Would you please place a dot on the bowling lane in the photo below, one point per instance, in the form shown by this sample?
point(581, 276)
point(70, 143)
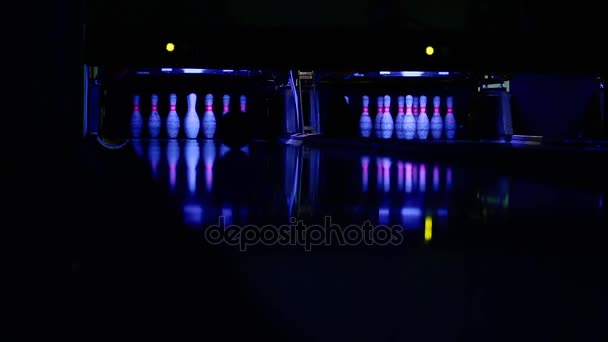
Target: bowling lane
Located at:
point(485, 253)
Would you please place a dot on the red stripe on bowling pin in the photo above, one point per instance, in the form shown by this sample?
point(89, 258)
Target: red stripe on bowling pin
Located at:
point(400, 110)
point(449, 109)
point(225, 108)
point(154, 108)
point(136, 108)
point(422, 109)
point(365, 109)
point(209, 108)
point(172, 108)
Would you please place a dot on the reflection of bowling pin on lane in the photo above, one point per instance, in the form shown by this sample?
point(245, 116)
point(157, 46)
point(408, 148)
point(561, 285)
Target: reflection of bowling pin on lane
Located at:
point(365, 122)
point(154, 155)
point(364, 172)
point(436, 121)
point(172, 119)
point(400, 117)
point(387, 123)
point(379, 173)
point(191, 121)
point(224, 150)
point(226, 104)
point(172, 159)
point(408, 177)
point(243, 102)
point(450, 120)
point(208, 160)
point(399, 175)
point(422, 178)
point(378, 119)
point(409, 121)
point(436, 183)
point(138, 146)
point(209, 123)
point(137, 122)
point(386, 176)
point(154, 119)
point(192, 155)
point(422, 124)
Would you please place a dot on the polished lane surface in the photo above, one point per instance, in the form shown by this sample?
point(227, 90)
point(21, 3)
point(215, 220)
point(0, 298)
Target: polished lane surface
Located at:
point(486, 254)
point(482, 250)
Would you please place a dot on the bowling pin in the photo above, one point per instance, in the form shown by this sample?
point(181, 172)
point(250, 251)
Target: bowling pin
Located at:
point(137, 122)
point(191, 121)
point(409, 121)
point(422, 124)
point(154, 118)
point(436, 121)
point(365, 122)
point(378, 119)
point(450, 120)
point(209, 124)
point(399, 118)
point(243, 101)
point(172, 119)
point(415, 105)
point(387, 123)
point(226, 104)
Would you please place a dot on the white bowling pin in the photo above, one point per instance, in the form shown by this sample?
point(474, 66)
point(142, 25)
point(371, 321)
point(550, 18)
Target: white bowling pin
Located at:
point(436, 121)
point(399, 118)
point(387, 124)
point(365, 122)
point(191, 122)
point(209, 124)
point(154, 118)
point(409, 121)
point(172, 119)
point(226, 104)
point(137, 122)
point(422, 124)
point(378, 119)
point(243, 101)
point(450, 120)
